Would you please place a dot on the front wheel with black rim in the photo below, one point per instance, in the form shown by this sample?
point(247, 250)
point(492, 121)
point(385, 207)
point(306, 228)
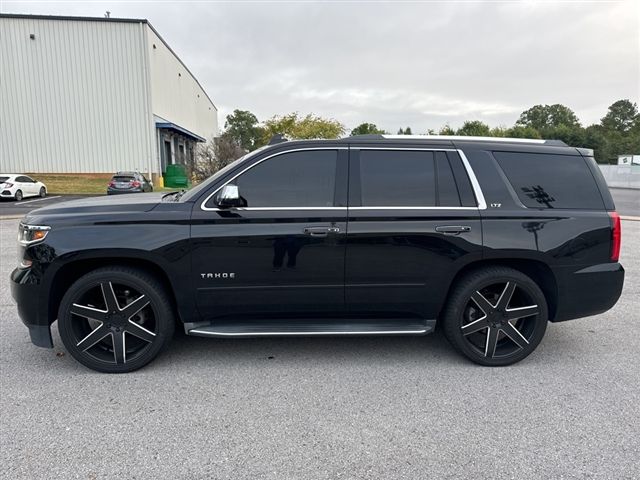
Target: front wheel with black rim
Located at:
point(115, 319)
point(43, 192)
point(496, 316)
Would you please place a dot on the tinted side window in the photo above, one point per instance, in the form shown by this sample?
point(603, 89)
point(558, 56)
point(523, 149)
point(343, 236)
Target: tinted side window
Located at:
point(448, 195)
point(397, 178)
point(22, 179)
point(551, 181)
point(296, 179)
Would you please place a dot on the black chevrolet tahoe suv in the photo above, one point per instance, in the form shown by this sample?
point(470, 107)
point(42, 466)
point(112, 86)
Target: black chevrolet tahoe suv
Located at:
point(370, 235)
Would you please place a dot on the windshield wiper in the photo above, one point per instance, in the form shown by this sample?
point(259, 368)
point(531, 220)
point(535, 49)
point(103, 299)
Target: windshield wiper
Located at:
point(176, 195)
point(169, 194)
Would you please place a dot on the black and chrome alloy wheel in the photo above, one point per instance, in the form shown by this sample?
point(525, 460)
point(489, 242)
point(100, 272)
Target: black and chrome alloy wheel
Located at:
point(496, 316)
point(115, 320)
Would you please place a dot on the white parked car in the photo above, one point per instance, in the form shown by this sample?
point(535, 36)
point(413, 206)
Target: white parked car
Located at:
point(20, 186)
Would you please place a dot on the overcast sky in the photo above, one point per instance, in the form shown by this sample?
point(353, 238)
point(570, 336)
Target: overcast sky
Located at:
point(403, 63)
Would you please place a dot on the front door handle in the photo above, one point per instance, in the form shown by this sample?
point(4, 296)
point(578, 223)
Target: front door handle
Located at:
point(320, 231)
point(453, 229)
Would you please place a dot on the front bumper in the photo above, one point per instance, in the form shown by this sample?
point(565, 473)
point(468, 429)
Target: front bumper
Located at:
point(27, 295)
point(588, 291)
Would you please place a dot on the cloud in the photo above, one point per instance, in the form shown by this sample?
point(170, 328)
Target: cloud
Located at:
point(397, 63)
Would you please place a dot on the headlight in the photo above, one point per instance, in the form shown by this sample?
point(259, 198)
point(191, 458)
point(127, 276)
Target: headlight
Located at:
point(29, 234)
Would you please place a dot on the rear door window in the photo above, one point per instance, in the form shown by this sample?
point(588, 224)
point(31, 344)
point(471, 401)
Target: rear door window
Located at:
point(396, 178)
point(550, 181)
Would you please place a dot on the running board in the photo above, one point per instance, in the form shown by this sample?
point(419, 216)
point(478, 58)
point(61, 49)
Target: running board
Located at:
point(302, 328)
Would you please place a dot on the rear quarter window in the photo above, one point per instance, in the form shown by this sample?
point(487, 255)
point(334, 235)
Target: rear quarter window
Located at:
point(551, 181)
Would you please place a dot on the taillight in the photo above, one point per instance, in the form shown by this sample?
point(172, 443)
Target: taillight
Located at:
point(7, 185)
point(112, 183)
point(616, 236)
point(135, 183)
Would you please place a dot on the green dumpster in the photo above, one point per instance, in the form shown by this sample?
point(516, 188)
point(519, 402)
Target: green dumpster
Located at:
point(176, 177)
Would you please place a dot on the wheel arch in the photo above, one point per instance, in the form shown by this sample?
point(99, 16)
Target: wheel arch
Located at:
point(71, 271)
point(538, 271)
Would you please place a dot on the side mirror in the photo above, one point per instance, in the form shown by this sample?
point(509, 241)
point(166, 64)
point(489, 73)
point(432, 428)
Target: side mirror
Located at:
point(229, 196)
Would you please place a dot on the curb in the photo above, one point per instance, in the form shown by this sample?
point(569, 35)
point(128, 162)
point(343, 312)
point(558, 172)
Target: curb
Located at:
point(627, 217)
point(16, 217)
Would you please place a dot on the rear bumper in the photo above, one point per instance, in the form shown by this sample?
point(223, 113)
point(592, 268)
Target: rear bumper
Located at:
point(26, 293)
point(111, 191)
point(588, 291)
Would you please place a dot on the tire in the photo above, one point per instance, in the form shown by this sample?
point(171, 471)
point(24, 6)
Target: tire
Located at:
point(115, 319)
point(43, 192)
point(18, 196)
point(495, 316)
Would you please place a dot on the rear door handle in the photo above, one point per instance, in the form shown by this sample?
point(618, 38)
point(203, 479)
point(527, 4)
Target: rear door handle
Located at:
point(453, 229)
point(320, 231)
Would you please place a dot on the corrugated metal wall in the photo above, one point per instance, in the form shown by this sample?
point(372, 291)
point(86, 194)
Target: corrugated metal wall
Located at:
point(175, 94)
point(75, 98)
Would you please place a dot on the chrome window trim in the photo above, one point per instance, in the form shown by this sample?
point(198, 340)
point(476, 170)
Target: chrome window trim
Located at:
point(475, 185)
point(482, 204)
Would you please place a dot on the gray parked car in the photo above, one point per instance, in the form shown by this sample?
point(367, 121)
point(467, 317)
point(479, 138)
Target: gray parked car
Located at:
point(129, 182)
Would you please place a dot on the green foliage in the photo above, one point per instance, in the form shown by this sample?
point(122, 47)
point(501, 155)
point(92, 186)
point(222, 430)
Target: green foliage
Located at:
point(447, 130)
point(406, 131)
point(518, 131)
point(367, 129)
point(474, 128)
point(621, 116)
point(243, 128)
point(545, 117)
point(309, 127)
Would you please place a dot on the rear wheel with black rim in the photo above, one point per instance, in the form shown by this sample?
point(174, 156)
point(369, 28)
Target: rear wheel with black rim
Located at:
point(115, 319)
point(496, 316)
point(18, 195)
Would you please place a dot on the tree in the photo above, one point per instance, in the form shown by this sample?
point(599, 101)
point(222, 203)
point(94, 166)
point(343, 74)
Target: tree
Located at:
point(366, 129)
point(519, 131)
point(242, 126)
point(212, 156)
point(406, 131)
point(474, 128)
point(447, 130)
point(308, 127)
point(621, 116)
point(545, 117)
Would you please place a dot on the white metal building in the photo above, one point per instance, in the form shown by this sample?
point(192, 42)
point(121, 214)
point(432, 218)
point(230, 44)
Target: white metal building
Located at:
point(95, 95)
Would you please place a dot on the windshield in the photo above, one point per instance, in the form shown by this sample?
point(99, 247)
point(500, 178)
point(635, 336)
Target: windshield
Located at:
point(195, 191)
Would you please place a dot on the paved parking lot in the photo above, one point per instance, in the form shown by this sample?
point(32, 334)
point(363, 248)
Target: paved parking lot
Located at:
point(375, 408)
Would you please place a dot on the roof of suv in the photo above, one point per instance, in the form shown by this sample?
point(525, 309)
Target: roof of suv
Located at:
point(440, 141)
point(450, 138)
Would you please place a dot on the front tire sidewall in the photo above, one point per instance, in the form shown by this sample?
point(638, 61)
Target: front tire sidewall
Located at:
point(43, 192)
point(454, 316)
point(143, 283)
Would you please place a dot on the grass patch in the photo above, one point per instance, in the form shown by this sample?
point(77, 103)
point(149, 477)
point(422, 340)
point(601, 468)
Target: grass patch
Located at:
point(77, 183)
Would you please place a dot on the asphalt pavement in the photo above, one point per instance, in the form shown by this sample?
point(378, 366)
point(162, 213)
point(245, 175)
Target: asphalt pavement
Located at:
point(328, 408)
point(627, 201)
